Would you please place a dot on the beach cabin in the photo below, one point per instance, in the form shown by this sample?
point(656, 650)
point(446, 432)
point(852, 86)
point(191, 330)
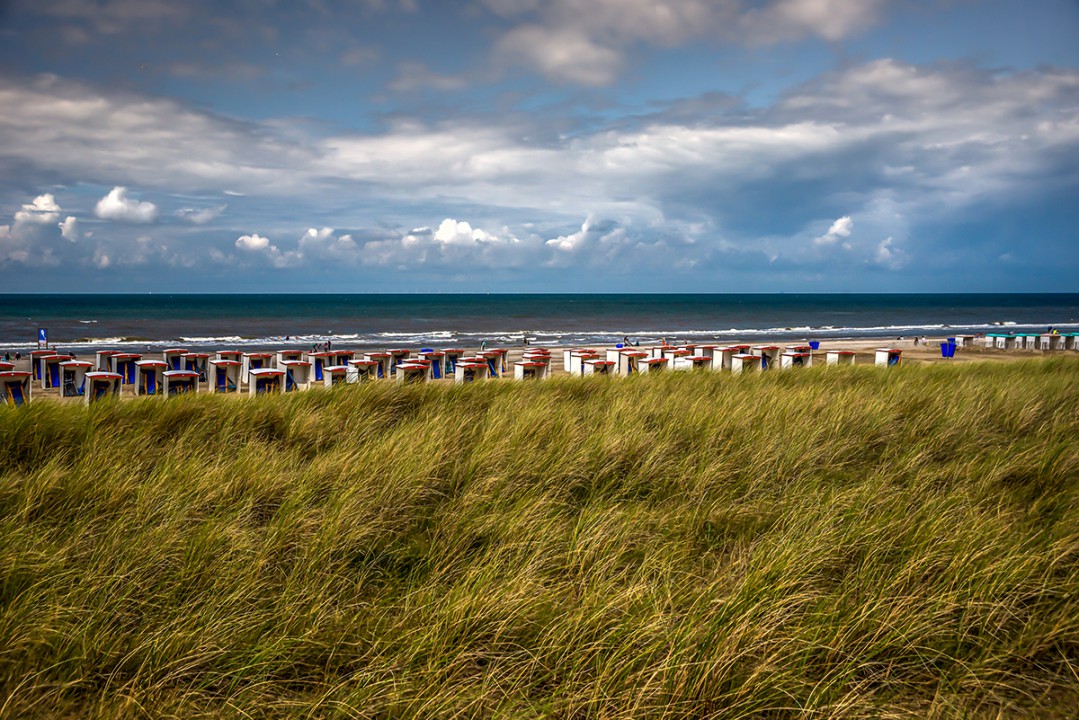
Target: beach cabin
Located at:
point(362, 370)
point(265, 381)
point(964, 341)
point(744, 362)
point(255, 361)
point(887, 356)
point(35, 361)
point(124, 365)
point(1051, 341)
point(504, 355)
point(236, 355)
point(397, 356)
point(530, 370)
point(101, 385)
point(1005, 342)
point(573, 360)
point(174, 357)
point(318, 360)
point(199, 363)
point(437, 360)
point(625, 359)
point(795, 360)
point(50, 369)
point(652, 364)
point(73, 377)
point(799, 348)
point(179, 382)
point(466, 372)
point(452, 355)
point(411, 372)
point(334, 375)
point(540, 355)
point(769, 355)
point(1069, 341)
point(721, 357)
point(673, 353)
point(224, 375)
point(493, 358)
point(340, 358)
point(283, 356)
point(298, 374)
point(15, 386)
point(150, 377)
point(103, 360)
point(707, 350)
point(385, 363)
point(840, 357)
point(692, 362)
point(598, 366)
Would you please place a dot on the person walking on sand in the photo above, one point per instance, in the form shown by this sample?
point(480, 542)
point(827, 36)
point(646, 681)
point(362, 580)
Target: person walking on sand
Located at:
point(483, 346)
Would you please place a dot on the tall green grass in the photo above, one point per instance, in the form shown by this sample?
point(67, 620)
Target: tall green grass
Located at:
point(836, 542)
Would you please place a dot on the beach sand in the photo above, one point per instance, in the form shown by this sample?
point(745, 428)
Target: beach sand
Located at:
point(928, 352)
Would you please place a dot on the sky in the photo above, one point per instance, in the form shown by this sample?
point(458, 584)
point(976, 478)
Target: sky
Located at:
point(539, 146)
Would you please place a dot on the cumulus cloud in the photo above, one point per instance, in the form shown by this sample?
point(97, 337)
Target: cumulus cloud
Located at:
point(200, 216)
point(69, 228)
point(118, 206)
point(258, 246)
point(42, 211)
point(841, 228)
point(254, 243)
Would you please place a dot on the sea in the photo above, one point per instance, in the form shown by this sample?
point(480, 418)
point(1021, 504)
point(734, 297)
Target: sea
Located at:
point(366, 321)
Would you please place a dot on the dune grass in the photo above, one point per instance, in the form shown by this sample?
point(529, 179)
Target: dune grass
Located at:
point(836, 542)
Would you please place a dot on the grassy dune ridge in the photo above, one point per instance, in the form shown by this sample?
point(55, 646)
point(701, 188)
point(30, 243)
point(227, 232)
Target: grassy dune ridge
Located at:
point(836, 542)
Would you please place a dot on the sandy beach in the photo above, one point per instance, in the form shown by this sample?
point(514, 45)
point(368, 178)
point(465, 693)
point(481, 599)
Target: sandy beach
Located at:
point(924, 352)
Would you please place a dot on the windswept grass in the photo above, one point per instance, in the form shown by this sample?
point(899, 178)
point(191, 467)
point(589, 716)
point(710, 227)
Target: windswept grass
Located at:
point(839, 542)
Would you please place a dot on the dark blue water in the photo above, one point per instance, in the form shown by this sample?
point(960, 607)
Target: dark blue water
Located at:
point(365, 321)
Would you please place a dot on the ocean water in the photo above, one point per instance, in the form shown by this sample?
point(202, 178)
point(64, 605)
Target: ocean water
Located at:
point(381, 321)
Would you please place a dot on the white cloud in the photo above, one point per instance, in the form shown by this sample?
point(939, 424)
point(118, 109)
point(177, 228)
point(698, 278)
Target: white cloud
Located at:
point(563, 54)
point(69, 228)
point(258, 246)
point(451, 231)
point(254, 243)
point(117, 206)
point(889, 255)
point(586, 41)
point(841, 228)
point(42, 211)
point(200, 216)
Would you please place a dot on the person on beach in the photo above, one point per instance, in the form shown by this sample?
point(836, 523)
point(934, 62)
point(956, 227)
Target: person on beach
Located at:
point(483, 346)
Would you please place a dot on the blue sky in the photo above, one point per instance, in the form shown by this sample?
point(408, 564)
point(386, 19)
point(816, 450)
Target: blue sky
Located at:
point(528, 145)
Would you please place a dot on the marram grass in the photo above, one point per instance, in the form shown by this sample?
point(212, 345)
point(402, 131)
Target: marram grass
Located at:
point(829, 543)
